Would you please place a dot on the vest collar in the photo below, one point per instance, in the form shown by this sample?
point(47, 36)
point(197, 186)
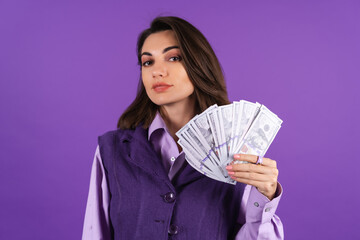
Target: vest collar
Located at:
point(143, 155)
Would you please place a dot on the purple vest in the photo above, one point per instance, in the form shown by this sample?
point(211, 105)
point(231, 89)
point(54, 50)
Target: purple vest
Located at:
point(145, 204)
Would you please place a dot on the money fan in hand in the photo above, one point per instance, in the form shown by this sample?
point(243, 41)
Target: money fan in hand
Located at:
point(210, 139)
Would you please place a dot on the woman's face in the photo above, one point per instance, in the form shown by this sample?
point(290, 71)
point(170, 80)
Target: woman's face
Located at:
point(163, 73)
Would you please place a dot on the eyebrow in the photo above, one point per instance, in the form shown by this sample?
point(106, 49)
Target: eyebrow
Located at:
point(164, 51)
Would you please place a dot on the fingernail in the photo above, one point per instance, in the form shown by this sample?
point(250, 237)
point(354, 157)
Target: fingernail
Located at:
point(236, 155)
point(229, 167)
point(231, 173)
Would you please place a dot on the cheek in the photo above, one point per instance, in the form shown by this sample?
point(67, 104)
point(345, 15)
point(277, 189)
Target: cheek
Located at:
point(186, 81)
point(189, 86)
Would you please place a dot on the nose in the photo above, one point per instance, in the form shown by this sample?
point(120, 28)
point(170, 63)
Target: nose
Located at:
point(159, 70)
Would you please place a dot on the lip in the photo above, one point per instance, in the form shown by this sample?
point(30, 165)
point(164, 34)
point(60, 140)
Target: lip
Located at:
point(161, 87)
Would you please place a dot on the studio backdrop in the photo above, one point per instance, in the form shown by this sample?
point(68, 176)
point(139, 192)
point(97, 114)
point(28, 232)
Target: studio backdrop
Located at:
point(68, 69)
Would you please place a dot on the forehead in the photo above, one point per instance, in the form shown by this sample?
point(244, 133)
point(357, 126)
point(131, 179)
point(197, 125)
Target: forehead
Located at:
point(159, 41)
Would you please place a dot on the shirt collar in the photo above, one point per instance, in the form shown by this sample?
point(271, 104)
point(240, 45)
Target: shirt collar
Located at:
point(157, 123)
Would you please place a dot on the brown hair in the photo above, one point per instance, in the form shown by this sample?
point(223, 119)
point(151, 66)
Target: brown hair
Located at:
point(201, 65)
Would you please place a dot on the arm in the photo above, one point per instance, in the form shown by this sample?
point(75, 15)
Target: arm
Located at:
point(260, 219)
point(97, 223)
point(261, 198)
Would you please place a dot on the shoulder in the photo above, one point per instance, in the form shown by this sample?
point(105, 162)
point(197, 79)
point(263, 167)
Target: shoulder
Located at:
point(121, 135)
point(114, 136)
point(112, 133)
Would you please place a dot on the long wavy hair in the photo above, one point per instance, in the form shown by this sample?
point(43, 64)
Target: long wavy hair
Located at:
point(201, 65)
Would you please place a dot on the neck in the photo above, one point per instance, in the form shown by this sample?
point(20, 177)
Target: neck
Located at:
point(178, 114)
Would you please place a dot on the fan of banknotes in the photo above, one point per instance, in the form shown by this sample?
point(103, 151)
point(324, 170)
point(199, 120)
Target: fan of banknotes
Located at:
point(210, 139)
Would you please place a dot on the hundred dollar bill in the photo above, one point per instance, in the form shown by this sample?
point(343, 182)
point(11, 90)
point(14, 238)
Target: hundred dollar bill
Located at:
point(213, 122)
point(202, 127)
point(247, 112)
point(227, 116)
point(261, 134)
point(235, 115)
point(221, 130)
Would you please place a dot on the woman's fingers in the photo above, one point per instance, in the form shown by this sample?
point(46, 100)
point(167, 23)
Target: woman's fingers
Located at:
point(262, 176)
point(246, 157)
point(251, 168)
point(254, 183)
point(262, 186)
point(253, 159)
point(252, 176)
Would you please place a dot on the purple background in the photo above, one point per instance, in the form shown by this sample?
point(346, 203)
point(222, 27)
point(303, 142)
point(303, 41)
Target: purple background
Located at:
point(68, 70)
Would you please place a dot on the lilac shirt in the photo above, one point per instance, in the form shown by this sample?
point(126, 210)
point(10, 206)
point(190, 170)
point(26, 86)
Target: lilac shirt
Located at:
point(257, 211)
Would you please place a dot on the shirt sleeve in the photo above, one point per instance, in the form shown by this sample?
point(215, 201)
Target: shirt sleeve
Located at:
point(96, 222)
point(260, 220)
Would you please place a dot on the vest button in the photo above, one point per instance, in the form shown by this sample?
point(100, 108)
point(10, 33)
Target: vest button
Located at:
point(173, 230)
point(169, 197)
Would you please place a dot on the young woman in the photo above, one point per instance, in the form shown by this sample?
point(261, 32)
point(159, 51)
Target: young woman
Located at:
point(141, 187)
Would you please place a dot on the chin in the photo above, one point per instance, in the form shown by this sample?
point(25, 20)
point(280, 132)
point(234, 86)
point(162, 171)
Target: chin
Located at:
point(168, 99)
point(161, 103)
point(160, 100)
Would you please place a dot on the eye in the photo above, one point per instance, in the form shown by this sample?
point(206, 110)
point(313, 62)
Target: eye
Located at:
point(175, 58)
point(146, 63)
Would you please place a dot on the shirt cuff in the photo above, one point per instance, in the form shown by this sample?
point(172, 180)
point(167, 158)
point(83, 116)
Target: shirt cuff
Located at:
point(259, 208)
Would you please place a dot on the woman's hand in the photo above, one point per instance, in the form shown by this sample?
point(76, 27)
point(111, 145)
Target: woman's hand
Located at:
point(262, 176)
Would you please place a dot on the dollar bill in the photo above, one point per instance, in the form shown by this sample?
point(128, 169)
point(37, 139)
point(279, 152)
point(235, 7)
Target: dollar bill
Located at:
point(227, 117)
point(261, 134)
